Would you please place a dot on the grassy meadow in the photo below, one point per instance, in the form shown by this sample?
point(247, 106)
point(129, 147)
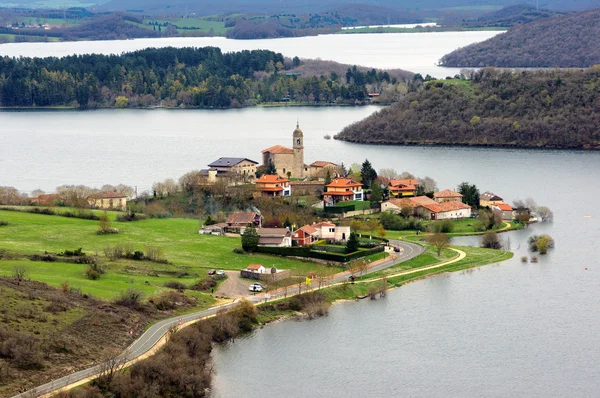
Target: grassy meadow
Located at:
point(190, 254)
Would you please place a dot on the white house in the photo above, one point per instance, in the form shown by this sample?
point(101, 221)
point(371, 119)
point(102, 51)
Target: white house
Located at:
point(330, 231)
point(446, 211)
point(257, 268)
point(274, 237)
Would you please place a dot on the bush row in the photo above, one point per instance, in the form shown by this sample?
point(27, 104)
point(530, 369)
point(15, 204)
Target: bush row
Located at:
point(83, 214)
point(308, 253)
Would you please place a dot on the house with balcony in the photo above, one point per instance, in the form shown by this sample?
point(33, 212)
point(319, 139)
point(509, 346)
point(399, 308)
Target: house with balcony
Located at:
point(273, 185)
point(238, 221)
point(403, 188)
point(342, 190)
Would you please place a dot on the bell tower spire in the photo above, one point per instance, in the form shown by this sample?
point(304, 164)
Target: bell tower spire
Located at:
point(298, 166)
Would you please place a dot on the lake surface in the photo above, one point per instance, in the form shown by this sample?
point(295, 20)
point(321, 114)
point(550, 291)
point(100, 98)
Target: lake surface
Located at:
point(507, 330)
point(416, 52)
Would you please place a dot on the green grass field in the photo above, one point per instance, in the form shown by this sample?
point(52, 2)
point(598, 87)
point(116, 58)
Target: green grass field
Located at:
point(188, 251)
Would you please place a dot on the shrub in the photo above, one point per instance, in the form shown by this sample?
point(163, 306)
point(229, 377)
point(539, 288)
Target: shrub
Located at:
point(541, 243)
point(83, 214)
point(131, 217)
point(3, 223)
point(154, 254)
point(238, 250)
point(94, 271)
point(175, 285)
point(73, 253)
point(204, 284)
point(444, 226)
point(45, 257)
point(490, 240)
point(137, 255)
point(524, 259)
point(170, 300)
point(113, 252)
point(131, 298)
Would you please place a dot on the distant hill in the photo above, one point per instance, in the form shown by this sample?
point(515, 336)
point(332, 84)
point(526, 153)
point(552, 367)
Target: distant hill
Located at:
point(570, 41)
point(512, 15)
point(209, 7)
point(536, 109)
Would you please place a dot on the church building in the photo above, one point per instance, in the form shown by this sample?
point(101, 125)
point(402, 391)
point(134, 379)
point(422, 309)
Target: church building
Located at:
point(289, 162)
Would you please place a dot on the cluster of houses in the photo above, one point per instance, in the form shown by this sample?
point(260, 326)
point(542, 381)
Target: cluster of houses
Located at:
point(445, 205)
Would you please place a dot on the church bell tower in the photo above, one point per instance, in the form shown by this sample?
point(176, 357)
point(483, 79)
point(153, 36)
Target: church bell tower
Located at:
point(298, 166)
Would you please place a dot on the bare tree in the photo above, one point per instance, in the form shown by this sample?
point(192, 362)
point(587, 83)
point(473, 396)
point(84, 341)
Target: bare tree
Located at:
point(490, 240)
point(545, 213)
point(439, 240)
point(406, 175)
point(388, 173)
point(114, 362)
point(9, 196)
point(36, 193)
point(428, 184)
point(384, 287)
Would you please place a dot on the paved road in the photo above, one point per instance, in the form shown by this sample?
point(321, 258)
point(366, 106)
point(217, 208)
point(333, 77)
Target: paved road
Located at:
point(153, 335)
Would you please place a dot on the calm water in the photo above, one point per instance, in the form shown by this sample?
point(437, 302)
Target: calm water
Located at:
point(416, 52)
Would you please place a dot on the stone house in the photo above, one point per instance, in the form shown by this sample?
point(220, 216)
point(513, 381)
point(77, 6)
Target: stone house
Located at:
point(108, 200)
point(447, 195)
point(416, 204)
point(489, 199)
point(505, 210)
point(239, 220)
point(242, 166)
point(319, 169)
point(273, 185)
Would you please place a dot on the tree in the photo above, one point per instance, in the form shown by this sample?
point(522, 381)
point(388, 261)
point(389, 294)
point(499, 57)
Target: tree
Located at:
point(104, 224)
point(390, 174)
point(490, 240)
point(121, 102)
point(470, 194)
point(353, 243)
point(328, 177)
point(19, 272)
point(439, 240)
point(36, 193)
point(427, 184)
point(271, 169)
point(250, 239)
point(545, 213)
point(376, 193)
point(367, 174)
point(541, 243)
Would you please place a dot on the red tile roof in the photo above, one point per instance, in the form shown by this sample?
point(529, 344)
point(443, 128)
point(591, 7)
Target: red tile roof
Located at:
point(324, 224)
point(322, 163)
point(254, 267)
point(422, 200)
point(409, 181)
point(271, 178)
point(343, 182)
point(241, 217)
point(447, 193)
point(278, 149)
point(446, 206)
point(504, 206)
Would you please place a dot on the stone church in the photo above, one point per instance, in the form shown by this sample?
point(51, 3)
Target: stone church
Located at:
point(288, 160)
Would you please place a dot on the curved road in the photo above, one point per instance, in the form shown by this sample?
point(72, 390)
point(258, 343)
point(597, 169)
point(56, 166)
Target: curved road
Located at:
point(155, 333)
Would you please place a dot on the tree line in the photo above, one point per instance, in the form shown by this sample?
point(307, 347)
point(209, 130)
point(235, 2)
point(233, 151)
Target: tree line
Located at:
point(191, 77)
point(542, 109)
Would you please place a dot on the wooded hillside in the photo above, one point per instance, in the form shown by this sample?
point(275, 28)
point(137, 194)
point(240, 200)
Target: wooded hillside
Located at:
point(540, 109)
point(570, 41)
point(511, 16)
point(188, 77)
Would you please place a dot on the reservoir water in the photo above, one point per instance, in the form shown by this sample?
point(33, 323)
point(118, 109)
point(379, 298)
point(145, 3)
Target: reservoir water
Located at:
point(416, 52)
point(502, 330)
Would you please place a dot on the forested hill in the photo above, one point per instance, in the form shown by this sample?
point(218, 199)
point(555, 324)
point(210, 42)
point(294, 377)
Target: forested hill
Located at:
point(539, 109)
point(188, 77)
point(569, 41)
point(511, 16)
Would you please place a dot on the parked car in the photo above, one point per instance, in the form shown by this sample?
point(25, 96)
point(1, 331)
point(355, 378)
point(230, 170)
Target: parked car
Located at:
point(256, 287)
point(221, 272)
point(212, 272)
point(396, 249)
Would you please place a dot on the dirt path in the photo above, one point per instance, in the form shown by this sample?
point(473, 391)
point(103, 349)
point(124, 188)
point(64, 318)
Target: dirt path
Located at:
point(234, 286)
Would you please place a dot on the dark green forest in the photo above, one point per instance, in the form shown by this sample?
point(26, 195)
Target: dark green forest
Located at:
point(569, 41)
point(539, 109)
point(189, 77)
point(511, 16)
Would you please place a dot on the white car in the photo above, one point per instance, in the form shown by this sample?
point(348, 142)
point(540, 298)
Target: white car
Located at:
point(256, 287)
point(220, 272)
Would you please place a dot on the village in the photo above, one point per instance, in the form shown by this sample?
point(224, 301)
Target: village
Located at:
point(350, 211)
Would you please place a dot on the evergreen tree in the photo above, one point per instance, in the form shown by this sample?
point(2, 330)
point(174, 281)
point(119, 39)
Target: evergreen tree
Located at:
point(287, 223)
point(470, 194)
point(250, 239)
point(352, 243)
point(328, 177)
point(367, 173)
point(271, 169)
point(376, 193)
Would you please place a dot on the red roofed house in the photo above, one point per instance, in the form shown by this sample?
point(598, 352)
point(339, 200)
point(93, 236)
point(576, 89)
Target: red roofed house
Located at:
point(239, 220)
point(341, 190)
point(447, 195)
point(108, 200)
point(320, 167)
point(329, 231)
point(273, 185)
point(505, 210)
point(446, 210)
point(51, 199)
point(305, 236)
point(257, 268)
point(403, 188)
point(395, 205)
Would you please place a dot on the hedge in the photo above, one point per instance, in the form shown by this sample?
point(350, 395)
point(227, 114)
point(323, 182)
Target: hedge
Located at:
point(305, 251)
point(339, 209)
